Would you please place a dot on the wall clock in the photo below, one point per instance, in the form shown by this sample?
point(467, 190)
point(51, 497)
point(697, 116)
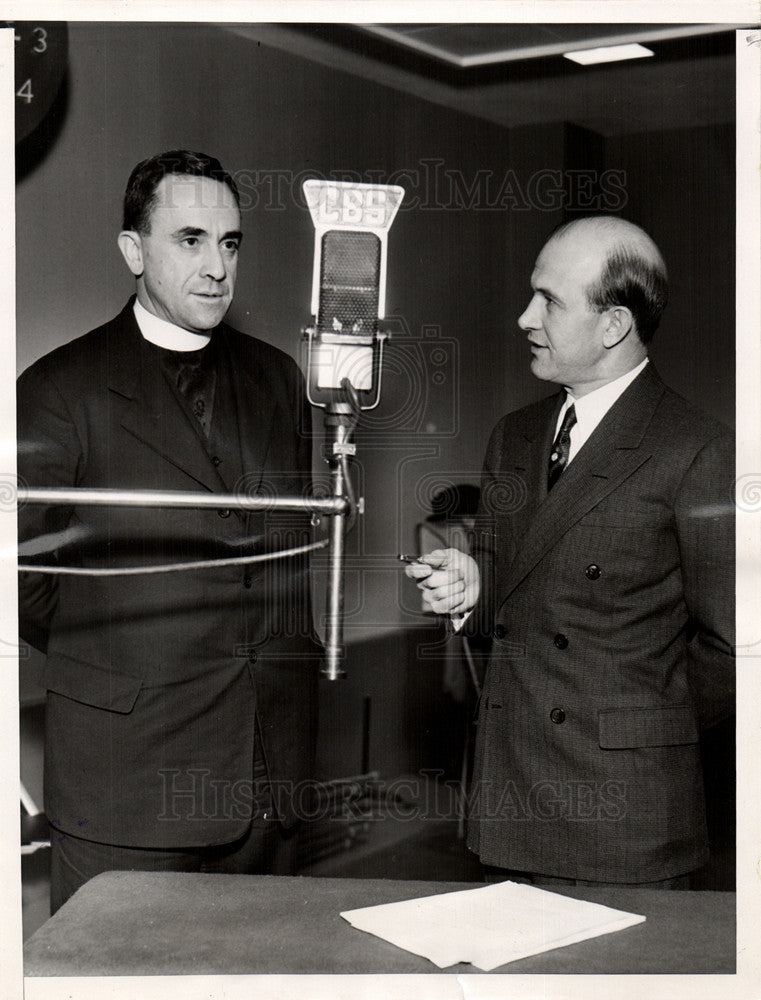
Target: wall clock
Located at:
point(40, 49)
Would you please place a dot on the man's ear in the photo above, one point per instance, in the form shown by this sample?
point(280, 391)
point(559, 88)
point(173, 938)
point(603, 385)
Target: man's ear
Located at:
point(618, 324)
point(131, 247)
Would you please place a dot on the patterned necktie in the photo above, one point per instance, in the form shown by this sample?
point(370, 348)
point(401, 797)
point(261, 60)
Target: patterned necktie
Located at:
point(561, 448)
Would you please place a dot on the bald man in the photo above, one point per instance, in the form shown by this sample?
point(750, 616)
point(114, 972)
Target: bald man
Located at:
point(602, 566)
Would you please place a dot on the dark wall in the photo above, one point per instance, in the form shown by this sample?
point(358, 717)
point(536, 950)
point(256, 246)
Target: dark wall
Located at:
point(480, 201)
point(681, 188)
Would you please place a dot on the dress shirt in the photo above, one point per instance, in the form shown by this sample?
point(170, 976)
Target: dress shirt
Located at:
point(591, 408)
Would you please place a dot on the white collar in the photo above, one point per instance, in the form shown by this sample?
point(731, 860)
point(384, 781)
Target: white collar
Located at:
point(167, 335)
point(599, 401)
point(592, 407)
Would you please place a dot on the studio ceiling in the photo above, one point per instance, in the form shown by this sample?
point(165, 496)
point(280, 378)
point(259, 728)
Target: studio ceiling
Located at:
point(515, 74)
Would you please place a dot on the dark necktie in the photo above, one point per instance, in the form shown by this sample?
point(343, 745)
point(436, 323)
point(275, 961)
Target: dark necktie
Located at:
point(561, 449)
point(195, 381)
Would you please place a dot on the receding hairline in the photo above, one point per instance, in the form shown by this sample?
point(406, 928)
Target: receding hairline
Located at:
point(616, 235)
point(147, 179)
point(168, 180)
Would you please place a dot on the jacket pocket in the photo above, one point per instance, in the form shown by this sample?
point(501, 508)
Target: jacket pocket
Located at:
point(90, 683)
point(626, 728)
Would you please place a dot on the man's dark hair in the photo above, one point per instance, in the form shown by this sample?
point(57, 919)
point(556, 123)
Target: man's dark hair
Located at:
point(630, 279)
point(140, 196)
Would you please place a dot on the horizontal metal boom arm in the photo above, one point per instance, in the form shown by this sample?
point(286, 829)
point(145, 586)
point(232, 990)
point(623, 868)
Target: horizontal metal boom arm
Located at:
point(179, 498)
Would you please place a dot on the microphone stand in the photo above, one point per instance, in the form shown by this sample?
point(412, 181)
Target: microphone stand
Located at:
point(340, 421)
point(341, 418)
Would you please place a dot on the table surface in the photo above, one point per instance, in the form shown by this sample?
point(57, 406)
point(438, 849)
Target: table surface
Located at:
point(141, 923)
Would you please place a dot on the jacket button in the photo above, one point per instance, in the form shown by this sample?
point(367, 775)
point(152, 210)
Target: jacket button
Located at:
point(252, 657)
point(224, 513)
point(593, 572)
point(217, 460)
point(561, 641)
point(248, 581)
point(557, 715)
point(500, 632)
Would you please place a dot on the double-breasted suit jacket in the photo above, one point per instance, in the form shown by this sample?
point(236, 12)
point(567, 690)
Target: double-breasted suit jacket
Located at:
point(155, 681)
point(610, 601)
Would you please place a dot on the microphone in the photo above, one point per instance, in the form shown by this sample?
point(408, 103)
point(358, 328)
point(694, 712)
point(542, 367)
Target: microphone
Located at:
point(345, 348)
point(351, 223)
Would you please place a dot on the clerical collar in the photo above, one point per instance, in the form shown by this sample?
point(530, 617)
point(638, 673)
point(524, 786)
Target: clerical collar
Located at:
point(167, 335)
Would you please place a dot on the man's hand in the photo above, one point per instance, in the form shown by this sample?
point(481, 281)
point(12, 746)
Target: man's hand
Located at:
point(448, 580)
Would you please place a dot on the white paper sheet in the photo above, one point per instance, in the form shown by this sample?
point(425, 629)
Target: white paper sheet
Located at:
point(490, 926)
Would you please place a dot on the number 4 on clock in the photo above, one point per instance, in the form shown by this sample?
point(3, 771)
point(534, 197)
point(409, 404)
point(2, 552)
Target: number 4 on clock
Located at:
point(25, 91)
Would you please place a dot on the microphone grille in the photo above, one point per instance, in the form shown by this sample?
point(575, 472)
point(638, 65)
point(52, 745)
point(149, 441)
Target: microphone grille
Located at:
point(349, 282)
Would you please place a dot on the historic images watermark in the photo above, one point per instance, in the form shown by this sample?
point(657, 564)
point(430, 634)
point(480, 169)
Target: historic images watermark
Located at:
point(193, 794)
point(431, 186)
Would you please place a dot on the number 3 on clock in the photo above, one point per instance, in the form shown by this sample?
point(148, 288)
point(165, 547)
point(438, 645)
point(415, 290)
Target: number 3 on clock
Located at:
point(41, 52)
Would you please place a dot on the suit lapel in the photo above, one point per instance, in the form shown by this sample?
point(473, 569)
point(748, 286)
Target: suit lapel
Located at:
point(614, 452)
point(154, 415)
point(526, 461)
point(254, 410)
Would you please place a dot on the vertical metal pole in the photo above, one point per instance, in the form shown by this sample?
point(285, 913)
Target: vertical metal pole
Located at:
point(334, 649)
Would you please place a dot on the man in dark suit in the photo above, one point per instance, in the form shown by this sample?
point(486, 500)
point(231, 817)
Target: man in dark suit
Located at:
point(180, 718)
point(606, 582)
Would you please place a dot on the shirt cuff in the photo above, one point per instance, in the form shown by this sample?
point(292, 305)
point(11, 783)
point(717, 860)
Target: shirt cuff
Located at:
point(458, 620)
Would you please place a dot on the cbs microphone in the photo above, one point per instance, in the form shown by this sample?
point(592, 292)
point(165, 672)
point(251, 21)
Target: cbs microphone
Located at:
point(345, 347)
point(348, 288)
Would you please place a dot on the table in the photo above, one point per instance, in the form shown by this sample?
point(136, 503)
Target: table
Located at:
point(148, 923)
